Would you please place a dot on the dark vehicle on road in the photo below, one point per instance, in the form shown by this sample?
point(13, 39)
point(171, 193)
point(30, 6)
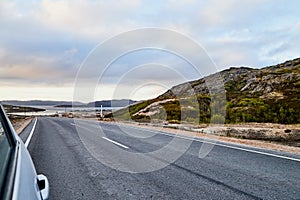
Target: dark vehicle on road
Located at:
point(18, 177)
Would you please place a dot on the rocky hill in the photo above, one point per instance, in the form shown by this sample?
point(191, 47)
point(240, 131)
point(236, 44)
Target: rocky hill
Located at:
point(270, 94)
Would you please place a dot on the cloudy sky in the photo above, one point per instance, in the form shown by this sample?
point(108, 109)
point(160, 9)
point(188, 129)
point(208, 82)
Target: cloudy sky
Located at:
point(45, 44)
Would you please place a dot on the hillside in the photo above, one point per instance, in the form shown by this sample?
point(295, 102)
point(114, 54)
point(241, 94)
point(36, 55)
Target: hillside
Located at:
point(269, 95)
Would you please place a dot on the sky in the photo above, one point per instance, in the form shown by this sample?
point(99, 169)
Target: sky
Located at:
point(45, 46)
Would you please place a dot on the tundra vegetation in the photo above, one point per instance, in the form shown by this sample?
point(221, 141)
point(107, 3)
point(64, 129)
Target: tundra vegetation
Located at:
point(267, 95)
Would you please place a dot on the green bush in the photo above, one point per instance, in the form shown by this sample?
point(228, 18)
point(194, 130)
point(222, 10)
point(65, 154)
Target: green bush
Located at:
point(217, 119)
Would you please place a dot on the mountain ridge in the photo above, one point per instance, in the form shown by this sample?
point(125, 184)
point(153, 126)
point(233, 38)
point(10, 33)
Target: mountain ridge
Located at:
point(270, 94)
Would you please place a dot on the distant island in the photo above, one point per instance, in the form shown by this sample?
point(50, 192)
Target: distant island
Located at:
point(104, 103)
point(21, 109)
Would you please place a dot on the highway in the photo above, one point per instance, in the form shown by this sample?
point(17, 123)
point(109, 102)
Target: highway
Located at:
point(81, 162)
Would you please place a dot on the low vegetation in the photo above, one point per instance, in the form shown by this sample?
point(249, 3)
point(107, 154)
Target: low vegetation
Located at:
point(267, 95)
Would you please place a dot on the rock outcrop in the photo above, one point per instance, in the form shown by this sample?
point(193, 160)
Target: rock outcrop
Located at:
point(270, 94)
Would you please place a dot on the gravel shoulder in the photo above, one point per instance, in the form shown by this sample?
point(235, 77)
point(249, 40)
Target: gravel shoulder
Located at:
point(200, 132)
point(20, 123)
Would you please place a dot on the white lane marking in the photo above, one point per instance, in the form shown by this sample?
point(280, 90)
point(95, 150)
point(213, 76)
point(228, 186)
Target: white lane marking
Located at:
point(227, 146)
point(112, 141)
point(116, 143)
point(259, 152)
point(216, 143)
point(234, 147)
point(31, 133)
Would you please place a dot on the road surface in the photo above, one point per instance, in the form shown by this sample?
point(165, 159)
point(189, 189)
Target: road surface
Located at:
point(227, 172)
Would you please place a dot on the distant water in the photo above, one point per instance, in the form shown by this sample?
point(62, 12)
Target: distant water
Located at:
point(51, 110)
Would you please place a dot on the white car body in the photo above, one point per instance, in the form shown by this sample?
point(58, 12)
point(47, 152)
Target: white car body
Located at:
point(19, 178)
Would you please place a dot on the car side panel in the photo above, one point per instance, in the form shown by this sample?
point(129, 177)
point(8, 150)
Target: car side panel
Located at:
point(25, 186)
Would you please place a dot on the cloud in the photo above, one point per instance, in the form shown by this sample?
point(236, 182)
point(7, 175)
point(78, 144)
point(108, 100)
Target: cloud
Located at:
point(30, 69)
point(90, 19)
point(279, 45)
point(44, 42)
point(220, 13)
point(39, 92)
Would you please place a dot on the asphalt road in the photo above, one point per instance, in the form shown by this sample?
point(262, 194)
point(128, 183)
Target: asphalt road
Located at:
point(72, 162)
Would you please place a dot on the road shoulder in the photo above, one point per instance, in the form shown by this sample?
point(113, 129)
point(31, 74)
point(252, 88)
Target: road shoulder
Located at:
point(268, 145)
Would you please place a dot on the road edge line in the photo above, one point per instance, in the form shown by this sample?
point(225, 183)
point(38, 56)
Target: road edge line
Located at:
point(31, 133)
point(228, 145)
point(225, 144)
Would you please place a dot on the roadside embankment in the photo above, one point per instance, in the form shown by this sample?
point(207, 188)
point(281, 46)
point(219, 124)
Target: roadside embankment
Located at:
point(19, 122)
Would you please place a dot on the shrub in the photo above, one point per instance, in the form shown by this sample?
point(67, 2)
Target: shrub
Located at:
point(217, 119)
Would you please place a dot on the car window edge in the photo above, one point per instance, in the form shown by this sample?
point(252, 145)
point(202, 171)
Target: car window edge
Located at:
point(11, 172)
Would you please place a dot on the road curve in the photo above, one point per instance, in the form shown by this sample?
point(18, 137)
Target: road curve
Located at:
point(226, 173)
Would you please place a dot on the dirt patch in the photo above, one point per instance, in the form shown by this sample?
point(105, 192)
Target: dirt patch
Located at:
point(19, 122)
